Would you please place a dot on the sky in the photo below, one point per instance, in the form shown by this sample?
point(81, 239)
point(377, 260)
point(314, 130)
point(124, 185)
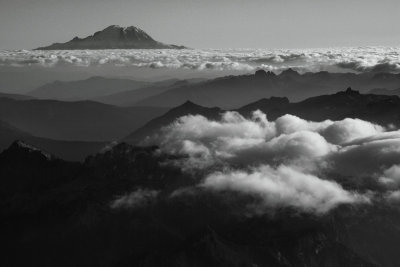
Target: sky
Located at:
point(26, 24)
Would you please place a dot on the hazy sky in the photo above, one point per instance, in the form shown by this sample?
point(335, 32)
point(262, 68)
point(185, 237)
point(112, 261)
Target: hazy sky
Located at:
point(206, 23)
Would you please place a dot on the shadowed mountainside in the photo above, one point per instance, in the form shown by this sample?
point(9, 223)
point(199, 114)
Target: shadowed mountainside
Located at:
point(100, 88)
point(67, 150)
point(83, 120)
point(381, 109)
point(58, 213)
point(113, 37)
point(234, 91)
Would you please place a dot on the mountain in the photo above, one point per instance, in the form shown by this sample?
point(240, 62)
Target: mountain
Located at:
point(67, 150)
point(113, 37)
point(384, 91)
point(380, 109)
point(85, 89)
point(101, 89)
point(235, 91)
point(185, 109)
point(71, 121)
point(16, 96)
point(350, 103)
point(132, 97)
point(58, 213)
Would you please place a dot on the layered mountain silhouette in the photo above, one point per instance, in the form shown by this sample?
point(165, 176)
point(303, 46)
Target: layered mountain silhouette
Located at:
point(72, 121)
point(113, 37)
point(16, 96)
point(381, 109)
point(133, 97)
point(85, 89)
point(384, 91)
point(119, 91)
point(234, 91)
point(67, 150)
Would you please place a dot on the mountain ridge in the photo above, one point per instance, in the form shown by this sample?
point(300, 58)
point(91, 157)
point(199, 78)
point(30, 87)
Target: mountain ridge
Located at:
point(113, 37)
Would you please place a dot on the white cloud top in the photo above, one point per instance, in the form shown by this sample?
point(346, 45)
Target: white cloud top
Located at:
point(358, 59)
point(289, 162)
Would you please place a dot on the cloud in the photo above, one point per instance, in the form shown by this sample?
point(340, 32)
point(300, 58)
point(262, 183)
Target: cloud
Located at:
point(391, 176)
point(366, 159)
point(136, 199)
point(393, 196)
point(289, 162)
point(357, 59)
point(235, 139)
point(283, 187)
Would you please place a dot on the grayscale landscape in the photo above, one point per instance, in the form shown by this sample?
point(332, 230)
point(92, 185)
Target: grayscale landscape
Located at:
point(212, 133)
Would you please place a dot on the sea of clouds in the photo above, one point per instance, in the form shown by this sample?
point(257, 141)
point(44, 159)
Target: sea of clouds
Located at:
point(356, 59)
point(286, 163)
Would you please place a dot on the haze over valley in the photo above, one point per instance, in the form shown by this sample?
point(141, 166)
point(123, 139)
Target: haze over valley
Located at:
point(136, 145)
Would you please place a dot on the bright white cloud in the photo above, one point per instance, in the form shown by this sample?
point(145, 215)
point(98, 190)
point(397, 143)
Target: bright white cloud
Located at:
point(283, 187)
point(281, 161)
point(242, 60)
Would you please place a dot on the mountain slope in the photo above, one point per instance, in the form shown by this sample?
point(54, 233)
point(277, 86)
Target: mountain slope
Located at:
point(235, 91)
point(85, 89)
point(71, 121)
point(56, 213)
point(381, 109)
point(67, 150)
point(16, 96)
point(185, 109)
point(113, 37)
point(383, 91)
point(132, 97)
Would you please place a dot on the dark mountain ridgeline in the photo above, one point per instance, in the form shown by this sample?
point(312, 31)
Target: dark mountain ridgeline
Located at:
point(231, 92)
point(71, 121)
point(106, 90)
point(381, 109)
point(383, 91)
point(113, 37)
point(58, 213)
point(132, 97)
point(67, 150)
point(85, 89)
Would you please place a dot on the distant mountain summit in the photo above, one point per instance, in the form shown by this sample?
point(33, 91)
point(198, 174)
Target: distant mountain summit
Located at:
point(113, 37)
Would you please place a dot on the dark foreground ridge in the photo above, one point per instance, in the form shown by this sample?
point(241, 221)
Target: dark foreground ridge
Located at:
point(113, 37)
point(57, 213)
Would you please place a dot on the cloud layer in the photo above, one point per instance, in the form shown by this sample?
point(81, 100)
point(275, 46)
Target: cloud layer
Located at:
point(289, 162)
point(358, 59)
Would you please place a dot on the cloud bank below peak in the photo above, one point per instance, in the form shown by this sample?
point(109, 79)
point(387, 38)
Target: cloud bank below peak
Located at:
point(356, 59)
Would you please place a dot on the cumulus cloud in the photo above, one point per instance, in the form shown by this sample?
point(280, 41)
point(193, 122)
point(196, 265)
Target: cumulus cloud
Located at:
point(289, 139)
point(391, 176)
point(283, 187)
point(358, 59)
point(289, 162)
point(393, 196)
point(136, 199)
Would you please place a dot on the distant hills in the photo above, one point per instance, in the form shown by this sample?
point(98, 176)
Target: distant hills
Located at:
point(118, 91)
point(229, 92)
point(381, 109)
point(235, 91)
point(384, 91)
point(85, 89)
point(67, 150)
point(82, 120)
point(113, 37)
